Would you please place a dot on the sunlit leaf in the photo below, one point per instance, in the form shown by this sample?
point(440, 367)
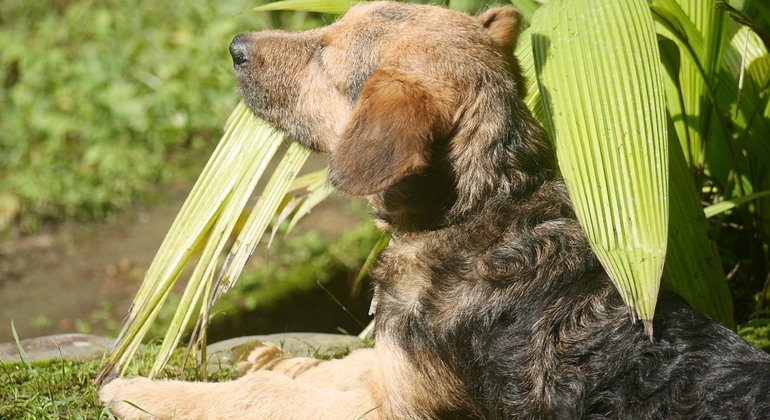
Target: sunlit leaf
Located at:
point(244, 173)
point(334, 7)
point(725, 205)
point(693, 268)
point(260, 216)
point(702, 26)
point(205, 222)
point(602, 91)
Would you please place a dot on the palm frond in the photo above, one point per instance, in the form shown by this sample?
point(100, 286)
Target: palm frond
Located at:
point(602, 93)
point(334, 7)
point(206, 221)
point(725, 205)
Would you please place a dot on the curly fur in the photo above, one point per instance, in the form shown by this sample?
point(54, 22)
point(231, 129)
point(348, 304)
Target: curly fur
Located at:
point(490, 302)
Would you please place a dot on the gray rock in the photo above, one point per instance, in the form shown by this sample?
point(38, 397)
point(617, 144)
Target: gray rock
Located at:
point(79, 347)
point(228, 353)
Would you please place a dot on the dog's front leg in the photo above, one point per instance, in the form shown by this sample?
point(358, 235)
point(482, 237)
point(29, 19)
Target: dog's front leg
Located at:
point(258, 395)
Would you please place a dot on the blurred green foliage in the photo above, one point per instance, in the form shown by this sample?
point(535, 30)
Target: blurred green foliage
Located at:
point(757, 330)
point(102, 99)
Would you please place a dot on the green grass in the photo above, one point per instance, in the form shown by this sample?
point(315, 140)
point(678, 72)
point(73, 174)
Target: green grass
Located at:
point(63, 389)
point(757, 330)
point(59, 389)
point(55, 389)
point(102, 100)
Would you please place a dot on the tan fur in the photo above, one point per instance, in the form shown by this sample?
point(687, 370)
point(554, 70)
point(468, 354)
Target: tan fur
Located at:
point(407, 391)
point(282, 388)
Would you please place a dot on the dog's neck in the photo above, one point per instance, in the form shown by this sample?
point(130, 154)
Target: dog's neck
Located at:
point(501, 154)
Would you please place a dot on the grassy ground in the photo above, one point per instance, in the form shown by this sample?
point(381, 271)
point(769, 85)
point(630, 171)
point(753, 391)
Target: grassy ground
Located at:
point(57, 389)
point(62, 389)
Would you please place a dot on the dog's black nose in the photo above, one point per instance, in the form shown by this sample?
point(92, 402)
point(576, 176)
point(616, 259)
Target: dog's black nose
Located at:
point(239, 50)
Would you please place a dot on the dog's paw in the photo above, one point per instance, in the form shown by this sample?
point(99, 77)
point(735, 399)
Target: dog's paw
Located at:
point(127, 398)
point(263, 356)
point(270, 357)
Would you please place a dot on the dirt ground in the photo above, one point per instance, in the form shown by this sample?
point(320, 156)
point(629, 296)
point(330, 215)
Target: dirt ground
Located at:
point(76, 275)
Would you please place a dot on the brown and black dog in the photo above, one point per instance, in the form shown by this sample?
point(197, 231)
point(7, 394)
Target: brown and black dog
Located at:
point(490, 303)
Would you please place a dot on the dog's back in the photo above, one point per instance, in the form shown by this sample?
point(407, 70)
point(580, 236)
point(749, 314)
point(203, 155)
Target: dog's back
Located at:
point(513, 311)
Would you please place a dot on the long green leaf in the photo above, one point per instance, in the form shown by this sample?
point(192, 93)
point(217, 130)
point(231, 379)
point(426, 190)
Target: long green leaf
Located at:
point(692, 265)
point(693, 268)
point(738, 156)
point(747, 49)
point(244, 173)
point(599, 73)
point(22, 353)
point(723, 206)
point(204, 220)
point(334, 7)
point(702, 24)
point(260, 216)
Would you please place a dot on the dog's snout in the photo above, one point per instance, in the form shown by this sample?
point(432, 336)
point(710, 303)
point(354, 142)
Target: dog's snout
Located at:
point(239, 50)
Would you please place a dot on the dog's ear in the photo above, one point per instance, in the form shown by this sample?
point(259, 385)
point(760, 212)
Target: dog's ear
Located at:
point(502, 24)
point(389, 136)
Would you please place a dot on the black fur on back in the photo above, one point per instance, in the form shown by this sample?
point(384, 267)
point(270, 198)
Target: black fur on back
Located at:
point(517, 306)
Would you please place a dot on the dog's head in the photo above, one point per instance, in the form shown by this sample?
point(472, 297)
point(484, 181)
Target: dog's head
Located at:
point(386, 87)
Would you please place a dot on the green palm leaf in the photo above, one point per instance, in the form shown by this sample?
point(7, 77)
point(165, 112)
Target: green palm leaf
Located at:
point(693, 267)
point(334, 7)
point(206, 221)
point(599, 73)
point(723, 206)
